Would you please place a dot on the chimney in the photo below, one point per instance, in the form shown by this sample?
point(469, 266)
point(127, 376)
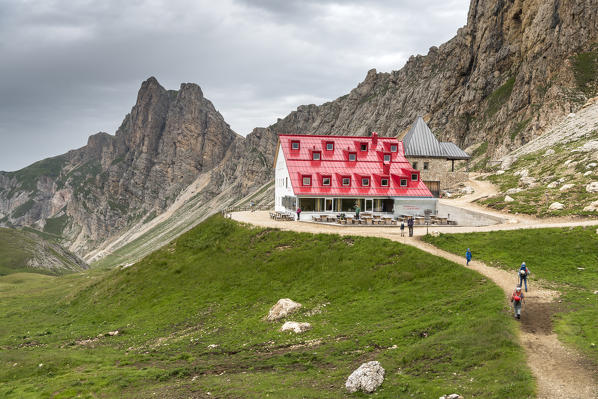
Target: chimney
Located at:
point(374, 138)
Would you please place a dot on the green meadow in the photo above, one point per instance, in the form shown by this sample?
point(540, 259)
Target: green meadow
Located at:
point(190, 319)
point(565, 259)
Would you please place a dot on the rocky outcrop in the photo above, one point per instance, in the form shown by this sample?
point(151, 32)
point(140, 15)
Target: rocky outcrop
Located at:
point(367, 378)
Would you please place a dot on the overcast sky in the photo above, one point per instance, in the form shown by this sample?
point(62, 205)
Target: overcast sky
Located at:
point(71, 68)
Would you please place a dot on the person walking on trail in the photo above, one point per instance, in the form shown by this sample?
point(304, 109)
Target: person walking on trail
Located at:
point(523, 273)
point(517, 300)
point(402, 228)
point(298, 213)
point(357, 210)
point(468, 256)
point(410, 225)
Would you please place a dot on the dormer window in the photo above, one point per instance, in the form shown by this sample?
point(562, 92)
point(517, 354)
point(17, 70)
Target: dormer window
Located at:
point(364, 147)
point(403, 182)
point(316, 155)
point(384, 182)
point(414, 165)
point(294, 145)
point(346, 181)
point(326, 180)
point(386, 157)
point(414, 177)
point(307, 180)
point(393, 148)
point(352, 156)
point(365, 181)
point(330, 146)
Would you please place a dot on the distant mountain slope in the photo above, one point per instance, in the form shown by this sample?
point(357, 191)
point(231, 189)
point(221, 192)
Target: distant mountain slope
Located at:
point(22, 251)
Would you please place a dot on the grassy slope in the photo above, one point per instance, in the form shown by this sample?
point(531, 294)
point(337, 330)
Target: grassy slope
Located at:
point(553, 255)
point(214, 285)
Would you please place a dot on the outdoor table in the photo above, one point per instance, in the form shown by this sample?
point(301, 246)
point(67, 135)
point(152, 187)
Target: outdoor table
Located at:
point(442, 220)
point(324, 218)
point(419, 220)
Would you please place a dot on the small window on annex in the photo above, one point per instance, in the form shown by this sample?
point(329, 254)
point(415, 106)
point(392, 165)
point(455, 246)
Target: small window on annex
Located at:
point(316, 155)
point(414, 164)
point(307, 180)
point(386, 157)
point(426, 165)
point(330, 146)
point(393, 148)
point(364, 147)
point(414, 177)
point(352, 156)
point(346, 181)
point(326, 180)
point(403, 182)
point(294, 145)
point(384, 182)
point(365, 181)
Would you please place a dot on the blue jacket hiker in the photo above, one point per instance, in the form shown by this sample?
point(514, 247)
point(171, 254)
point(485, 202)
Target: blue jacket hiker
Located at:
point(468, 256)
point(523, 273)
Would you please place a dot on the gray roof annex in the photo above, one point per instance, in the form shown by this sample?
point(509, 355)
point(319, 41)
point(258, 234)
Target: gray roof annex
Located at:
point(421, 142)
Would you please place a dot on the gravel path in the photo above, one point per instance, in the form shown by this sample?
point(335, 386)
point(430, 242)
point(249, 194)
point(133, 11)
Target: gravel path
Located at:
point(560, 372)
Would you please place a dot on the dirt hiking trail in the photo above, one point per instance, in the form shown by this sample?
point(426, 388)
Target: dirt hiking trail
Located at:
point(560, 372)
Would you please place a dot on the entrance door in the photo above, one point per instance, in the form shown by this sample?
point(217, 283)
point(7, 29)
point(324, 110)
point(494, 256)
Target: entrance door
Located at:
point(434, 187)
point(368, 205)
point(328, 206)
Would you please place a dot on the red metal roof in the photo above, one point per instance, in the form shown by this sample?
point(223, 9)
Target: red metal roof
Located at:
point(336, 165)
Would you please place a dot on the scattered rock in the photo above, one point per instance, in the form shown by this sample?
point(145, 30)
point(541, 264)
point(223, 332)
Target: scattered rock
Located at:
point(591, 145)
point(40, 365)
point(593, 207)
point(295, 327)
point(528, 181)
point(367, 378)
point(113, 333)
point(581, 268)
point(522, 173)
point(549, 151)
point(591, 165)
point(589, 172)
point(592, 187)
point(568, 162)
point(556, 206)
point(283, 307)
point(554, 184)
point(571, 115)
point(595, 293)
point(212, 346)
point(452, 396)
point(513, 191)
point(500, 172)
point(509, 199)
point(566, 187)
point(513, 221)
point(435, 233)
point(467, 190)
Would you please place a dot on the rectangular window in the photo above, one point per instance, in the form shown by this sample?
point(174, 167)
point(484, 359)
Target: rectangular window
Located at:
point(352, 156)
point(414, 165)
point(393, 148)
point(414, 177)
point(364, 147)
point(403, 182)
point(346, 181)
point(386, 157)
point(426, 165)
point(365, 181)
point(330, 146)
point(294, 145)
point(307, 180)
point(326, 181)
point(384, 182)
point(315, 155)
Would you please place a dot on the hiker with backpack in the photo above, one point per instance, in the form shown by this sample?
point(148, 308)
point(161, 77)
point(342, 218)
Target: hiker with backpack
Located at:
point(410, 225)
point(523, 273)
point(468, 256)
point(517, 301)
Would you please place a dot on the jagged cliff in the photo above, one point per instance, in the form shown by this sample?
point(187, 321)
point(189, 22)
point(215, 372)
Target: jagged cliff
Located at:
point(169, 139)
point(516, 68)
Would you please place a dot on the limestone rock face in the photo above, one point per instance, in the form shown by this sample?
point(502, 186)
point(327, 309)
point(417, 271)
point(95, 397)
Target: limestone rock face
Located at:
point(367, 378)
point(283, 308)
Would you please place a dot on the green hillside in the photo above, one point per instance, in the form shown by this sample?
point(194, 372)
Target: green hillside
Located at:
point(564, 258)
point(22, 251)
point(190, 321)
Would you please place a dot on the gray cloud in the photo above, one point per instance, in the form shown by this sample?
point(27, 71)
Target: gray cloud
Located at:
point(70, 69)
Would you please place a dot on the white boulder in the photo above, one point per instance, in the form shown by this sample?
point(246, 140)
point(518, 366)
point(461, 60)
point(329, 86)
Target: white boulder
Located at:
point(592, 187)
point(593, 207)
point(367, 378)
point(295, 327)
point(522, 173)
point(589, 172)
point(590, 146)
point(513, 191)
point(509, 199)
point(283, 307)
point(566, 187)
point(554, 184)
point(528, 180)
point(500, 172)
point(591, 165)
point(451, 396)
point(555, 206)
point(548, 152)
point(568, 162)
